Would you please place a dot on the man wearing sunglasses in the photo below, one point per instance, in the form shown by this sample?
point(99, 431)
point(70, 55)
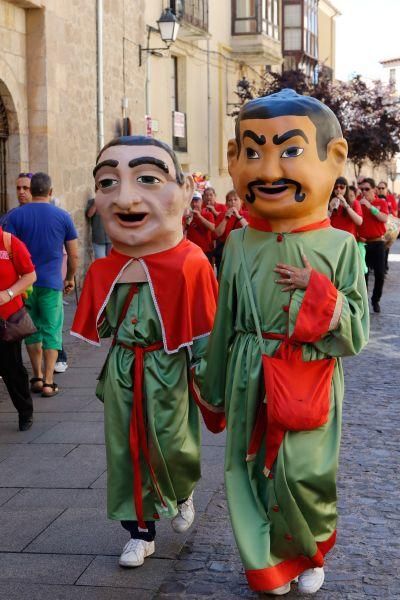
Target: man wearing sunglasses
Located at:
point(391, 201)
point(375, 214)
point(383, 192)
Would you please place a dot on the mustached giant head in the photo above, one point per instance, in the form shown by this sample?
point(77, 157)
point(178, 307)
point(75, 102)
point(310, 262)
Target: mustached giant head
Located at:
point(287, 152)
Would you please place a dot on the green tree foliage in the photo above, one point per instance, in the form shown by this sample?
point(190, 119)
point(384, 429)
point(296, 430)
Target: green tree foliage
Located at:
point(369, 114)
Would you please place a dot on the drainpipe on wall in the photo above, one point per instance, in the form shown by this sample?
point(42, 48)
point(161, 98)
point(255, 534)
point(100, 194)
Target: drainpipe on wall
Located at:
point(209, 147)
point(100, 81)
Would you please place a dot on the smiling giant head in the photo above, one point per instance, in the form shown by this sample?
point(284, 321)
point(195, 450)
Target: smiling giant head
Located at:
point(285, 158)
point(141, 194)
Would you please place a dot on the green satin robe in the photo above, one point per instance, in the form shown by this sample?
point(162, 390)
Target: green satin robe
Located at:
point(280, 518)
point(173, 422)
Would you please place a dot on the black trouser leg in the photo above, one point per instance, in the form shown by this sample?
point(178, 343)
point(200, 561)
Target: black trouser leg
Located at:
point(62, 355)
point(136, 534)
point(386, 260)
point(15, 377)
point(375, 258)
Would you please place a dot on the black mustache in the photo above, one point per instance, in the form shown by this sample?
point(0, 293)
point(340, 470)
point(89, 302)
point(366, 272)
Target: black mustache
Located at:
point(299, 196)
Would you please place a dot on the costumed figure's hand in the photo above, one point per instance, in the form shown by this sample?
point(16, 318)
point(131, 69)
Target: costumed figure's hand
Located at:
point(294, 277)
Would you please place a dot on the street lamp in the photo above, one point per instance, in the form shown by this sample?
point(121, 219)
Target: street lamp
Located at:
point(168, 27)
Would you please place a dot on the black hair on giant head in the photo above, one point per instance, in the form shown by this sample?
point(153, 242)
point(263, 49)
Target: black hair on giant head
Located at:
point(142, 140)
point(288, 102)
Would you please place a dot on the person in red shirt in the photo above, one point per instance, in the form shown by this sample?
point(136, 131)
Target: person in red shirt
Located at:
point(233, 218)
point(17, 274)
point(210, 202)
point(199, 226)
point(345, 213)
point(373, 228)
point(382, 190)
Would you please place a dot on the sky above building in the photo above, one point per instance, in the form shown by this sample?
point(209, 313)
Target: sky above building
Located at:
point(366, 32)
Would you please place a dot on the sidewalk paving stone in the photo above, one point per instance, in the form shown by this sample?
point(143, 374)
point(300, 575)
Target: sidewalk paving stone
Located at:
point(13, 591)
point(7, 493)
point(105, 571)
point(77, 469)
point(73, 433)
point(19, 527)
point(54, 498)
point(43, 568)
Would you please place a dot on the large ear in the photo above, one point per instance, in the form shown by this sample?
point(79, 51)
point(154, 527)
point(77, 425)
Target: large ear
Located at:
point(232, 155)
point(188, 186)
point(337, 154)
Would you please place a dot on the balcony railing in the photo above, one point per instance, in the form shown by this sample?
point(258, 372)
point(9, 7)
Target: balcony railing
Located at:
point(192, 12)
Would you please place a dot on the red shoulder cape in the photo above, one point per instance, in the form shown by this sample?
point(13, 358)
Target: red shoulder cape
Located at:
point(182, 284)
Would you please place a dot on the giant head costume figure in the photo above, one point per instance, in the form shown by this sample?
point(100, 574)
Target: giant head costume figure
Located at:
point(141, 194)
point(287, 153)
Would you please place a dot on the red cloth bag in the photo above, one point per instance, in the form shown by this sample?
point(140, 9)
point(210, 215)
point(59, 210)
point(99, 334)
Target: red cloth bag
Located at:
point(298, 392)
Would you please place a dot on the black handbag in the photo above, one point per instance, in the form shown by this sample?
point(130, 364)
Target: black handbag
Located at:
point(18, 326)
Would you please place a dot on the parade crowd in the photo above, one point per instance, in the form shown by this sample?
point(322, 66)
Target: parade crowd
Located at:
point(155, 264)
point(44, 236)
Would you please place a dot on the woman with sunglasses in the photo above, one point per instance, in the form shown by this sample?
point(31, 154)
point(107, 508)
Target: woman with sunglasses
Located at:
point(344, 209)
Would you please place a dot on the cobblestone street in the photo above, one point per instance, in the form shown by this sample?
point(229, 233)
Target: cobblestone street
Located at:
point(55, 540)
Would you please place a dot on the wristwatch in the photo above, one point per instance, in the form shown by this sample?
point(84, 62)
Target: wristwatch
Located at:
point(10, 293)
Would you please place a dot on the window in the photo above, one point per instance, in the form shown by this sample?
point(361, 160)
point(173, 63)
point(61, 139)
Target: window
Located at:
point(179, 131)
point(300, 27)
point(311, 28)
point(194, 12)
point(392, 76)
point(255, 16)
point(292, 16)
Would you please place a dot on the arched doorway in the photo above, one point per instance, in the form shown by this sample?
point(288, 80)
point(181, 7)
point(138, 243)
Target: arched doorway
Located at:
point(4, 133)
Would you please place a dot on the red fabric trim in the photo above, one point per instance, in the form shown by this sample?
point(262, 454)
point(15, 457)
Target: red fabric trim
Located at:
point(184, 286)
point(261, 580)
point(214, 421)
point(264, 225)
point(316, 311)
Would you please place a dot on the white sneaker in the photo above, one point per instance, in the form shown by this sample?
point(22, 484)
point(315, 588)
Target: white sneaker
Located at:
point(279, 591)
point(134, 553)
point(185, 516)
point(311, 580)
point(60, 367)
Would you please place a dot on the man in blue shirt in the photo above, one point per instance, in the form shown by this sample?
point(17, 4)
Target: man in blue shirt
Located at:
point(45, 230)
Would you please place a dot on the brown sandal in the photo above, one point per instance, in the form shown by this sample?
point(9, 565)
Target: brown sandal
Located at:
point(36, 384)
point(53, 387)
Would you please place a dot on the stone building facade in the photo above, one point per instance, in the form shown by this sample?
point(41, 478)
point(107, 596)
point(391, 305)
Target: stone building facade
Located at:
point(48, 91)
point(52, 102)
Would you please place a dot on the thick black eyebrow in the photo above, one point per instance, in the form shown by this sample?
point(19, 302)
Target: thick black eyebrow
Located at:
point(258, 139)
point(279, 139)
point(105, 163)
point(149, 160)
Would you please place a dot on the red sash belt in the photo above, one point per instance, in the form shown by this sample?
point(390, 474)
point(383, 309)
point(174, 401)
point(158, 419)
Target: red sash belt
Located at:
point(137, 429)
point(137, 426)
